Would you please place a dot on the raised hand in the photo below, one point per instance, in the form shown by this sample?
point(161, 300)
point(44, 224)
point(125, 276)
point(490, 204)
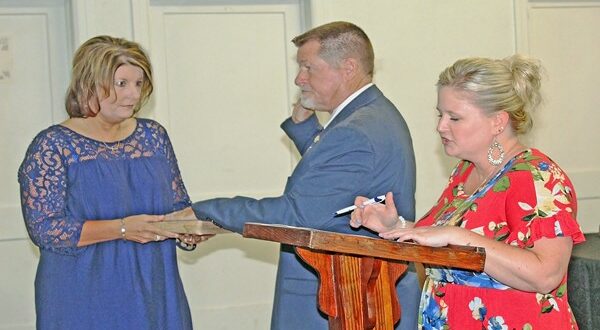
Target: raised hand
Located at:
point(300, 114)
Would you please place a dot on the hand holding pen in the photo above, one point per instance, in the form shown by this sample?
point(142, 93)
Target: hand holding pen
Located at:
point(377, 217)
point(373, 200)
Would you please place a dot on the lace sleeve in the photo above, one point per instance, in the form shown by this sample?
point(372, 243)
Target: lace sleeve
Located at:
point(43, 183)
point(180, 195)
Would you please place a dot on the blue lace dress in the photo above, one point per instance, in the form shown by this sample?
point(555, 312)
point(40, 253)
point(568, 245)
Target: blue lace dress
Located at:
point(66, 179)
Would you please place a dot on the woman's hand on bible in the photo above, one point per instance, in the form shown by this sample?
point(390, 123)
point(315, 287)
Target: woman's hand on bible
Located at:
point(142, 229)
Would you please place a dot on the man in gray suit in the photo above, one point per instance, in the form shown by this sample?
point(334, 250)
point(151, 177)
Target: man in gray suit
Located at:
point(364, 149)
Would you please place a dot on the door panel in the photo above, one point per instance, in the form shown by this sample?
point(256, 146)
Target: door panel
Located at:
point(33, 75)
point(564, 35)
point(224, 74)
point(224, 84)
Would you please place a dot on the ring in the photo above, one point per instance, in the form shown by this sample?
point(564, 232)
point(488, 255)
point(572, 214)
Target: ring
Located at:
point(157, 238)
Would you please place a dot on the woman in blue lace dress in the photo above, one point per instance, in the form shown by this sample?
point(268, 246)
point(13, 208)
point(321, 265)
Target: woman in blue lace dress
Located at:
point(92, 190)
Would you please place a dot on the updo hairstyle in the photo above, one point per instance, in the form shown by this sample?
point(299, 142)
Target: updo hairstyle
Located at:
point(511, 84)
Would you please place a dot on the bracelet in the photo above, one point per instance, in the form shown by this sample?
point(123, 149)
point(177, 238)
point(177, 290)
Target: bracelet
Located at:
point(402, 221)
point(123, 230)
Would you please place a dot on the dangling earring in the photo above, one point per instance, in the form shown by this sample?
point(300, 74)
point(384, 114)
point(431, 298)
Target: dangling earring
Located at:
point(491, 159)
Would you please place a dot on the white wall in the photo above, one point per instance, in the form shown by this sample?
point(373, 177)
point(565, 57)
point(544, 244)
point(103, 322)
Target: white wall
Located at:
point(413, 40)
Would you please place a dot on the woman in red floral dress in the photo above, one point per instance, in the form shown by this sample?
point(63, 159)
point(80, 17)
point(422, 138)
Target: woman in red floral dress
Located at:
point(508, 198)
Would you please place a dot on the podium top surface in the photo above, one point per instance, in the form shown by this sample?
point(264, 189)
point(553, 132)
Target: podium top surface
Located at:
point(465, 257)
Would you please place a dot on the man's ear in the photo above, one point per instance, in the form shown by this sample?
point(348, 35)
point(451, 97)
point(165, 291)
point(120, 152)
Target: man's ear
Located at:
point(350, 68)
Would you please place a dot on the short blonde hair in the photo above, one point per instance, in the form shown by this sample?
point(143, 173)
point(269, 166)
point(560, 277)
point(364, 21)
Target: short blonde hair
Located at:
point(94, 66)
point(511, 84)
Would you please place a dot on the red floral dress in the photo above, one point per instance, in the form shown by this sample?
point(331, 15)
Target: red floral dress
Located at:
point(529, 199)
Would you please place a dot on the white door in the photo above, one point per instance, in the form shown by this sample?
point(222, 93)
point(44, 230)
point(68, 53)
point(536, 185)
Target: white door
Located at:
point(33, 75)
point(224, 82)
point(565, 36)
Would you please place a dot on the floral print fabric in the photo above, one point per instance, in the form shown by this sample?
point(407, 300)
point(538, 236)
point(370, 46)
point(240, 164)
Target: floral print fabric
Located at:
point(532, 199)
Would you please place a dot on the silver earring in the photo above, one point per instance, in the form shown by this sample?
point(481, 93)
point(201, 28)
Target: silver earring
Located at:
point(491, 159)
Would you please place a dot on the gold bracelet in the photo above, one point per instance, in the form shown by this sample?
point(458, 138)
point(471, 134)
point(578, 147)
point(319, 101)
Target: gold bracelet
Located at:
point(123, 230)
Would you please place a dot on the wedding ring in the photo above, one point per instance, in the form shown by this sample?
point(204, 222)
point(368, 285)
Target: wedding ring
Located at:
point(157, 238)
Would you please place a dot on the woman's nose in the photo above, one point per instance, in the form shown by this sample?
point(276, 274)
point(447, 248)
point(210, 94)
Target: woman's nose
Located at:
point(441, 125)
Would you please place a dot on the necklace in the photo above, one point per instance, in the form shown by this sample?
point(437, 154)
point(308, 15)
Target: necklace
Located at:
point(496, 168)
point(484, 181)
point(462, 187)
point(454, 217)
point(112, 148)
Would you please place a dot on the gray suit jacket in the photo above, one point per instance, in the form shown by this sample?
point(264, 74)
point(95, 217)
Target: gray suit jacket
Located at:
point(366, 150)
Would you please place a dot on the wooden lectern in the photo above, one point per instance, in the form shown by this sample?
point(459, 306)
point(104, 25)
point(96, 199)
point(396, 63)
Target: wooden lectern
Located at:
point(358, 274)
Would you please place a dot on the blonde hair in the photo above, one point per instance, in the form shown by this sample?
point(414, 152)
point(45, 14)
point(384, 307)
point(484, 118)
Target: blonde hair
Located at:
point(341, 40)
point(511, 84)
point(94, 66)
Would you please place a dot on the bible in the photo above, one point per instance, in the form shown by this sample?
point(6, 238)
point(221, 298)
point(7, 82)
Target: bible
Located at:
point(196, 227)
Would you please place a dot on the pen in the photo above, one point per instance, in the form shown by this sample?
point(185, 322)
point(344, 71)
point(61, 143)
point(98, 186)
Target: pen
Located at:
point(373, 200)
